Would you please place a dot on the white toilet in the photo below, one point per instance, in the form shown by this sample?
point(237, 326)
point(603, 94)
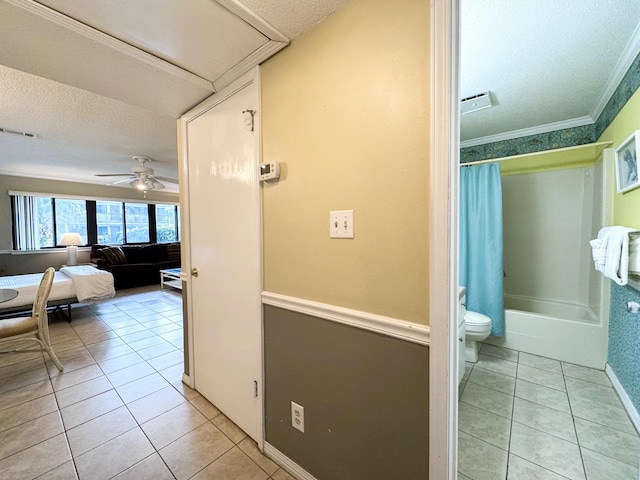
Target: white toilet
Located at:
point(477, 328)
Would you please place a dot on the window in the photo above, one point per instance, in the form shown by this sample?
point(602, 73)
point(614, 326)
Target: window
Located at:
point(167, 223)
point(40, 222)
point(33, 222)
point(110, 222)
point(137, 222)
point(71, 216)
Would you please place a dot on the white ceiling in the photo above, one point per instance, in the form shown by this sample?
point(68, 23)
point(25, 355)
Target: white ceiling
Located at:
point(549, 64)
point(99, 82)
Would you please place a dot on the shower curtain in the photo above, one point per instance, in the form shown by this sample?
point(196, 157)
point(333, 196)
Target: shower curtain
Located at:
point(481, 269)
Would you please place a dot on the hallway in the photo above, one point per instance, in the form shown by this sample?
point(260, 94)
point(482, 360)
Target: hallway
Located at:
point(119, 409)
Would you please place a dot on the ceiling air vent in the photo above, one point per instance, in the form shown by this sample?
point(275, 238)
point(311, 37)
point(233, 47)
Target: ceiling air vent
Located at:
point(476, 102)
point(15, 132)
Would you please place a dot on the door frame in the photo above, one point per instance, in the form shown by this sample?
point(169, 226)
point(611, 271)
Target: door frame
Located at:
point(443, 249)
point(252, 79)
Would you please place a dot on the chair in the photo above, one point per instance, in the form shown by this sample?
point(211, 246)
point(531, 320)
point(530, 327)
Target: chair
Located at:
point(35, 327)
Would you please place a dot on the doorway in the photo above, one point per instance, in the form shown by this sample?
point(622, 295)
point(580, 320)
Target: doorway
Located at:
point(223, 252)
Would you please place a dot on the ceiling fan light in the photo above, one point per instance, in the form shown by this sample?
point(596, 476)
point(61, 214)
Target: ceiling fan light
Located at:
point(139, 184)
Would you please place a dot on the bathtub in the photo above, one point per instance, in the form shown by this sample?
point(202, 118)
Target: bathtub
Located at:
point(562, 331)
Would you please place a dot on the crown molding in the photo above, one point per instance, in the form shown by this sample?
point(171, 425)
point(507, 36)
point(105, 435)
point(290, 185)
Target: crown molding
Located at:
point(617, 75)
point(537, 130)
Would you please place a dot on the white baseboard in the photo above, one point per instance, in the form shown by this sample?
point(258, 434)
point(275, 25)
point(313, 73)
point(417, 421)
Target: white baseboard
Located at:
point(285, 462)
point(626, 401)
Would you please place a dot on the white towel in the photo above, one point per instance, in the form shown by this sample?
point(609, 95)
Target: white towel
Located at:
point(634, 254)
point(610, 253)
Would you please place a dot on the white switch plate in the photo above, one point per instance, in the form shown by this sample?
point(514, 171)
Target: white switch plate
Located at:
point(341, 224)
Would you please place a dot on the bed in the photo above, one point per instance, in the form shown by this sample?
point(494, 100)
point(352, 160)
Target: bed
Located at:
point(80, 284)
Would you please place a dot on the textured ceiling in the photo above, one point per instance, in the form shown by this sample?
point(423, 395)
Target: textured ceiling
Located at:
point(78, 133)
point(545, 62)
point(293, 18)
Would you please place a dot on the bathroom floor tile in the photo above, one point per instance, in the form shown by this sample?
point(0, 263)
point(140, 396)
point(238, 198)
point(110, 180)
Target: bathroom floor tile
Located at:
point(601, 467)
point(547, 451)
point(480, 460)
point(495, 381)
point(520, 469)
point(545, 419)
point(500, 352)
point(541, 377)
point(542, 395)
point(587, 374)
point(602, 413)
point(541, 363)
point(484, 425)
point(566, 422)
point(592, 391)
point(490, 400)
point(609, 442)
point(495, 364)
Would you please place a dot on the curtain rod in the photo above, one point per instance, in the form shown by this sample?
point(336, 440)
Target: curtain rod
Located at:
point(533, 154)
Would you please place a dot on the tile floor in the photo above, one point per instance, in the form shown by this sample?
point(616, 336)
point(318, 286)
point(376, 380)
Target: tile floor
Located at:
point(119, 409)
point(524, 417)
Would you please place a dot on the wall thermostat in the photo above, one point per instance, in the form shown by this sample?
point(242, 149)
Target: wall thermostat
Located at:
point(269, 171)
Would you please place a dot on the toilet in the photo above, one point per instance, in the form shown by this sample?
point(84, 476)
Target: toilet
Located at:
point(477, 328)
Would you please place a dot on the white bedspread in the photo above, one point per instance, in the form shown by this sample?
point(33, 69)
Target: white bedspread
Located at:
point(87, 284)
point(27, 285)
point(90, 284)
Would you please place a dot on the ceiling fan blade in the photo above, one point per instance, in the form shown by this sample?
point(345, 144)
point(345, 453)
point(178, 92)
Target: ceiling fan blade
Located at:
point(112, 174)
point(117, 182)
point(166, 179)
point(156, 184)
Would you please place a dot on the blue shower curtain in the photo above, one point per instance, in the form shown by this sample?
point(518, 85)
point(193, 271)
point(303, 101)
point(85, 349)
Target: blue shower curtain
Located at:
point(481, 270)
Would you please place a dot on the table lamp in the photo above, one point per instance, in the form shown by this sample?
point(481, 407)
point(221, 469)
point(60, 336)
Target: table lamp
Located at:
point(71, 240)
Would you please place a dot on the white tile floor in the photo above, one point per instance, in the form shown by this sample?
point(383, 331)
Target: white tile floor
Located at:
point(119, 409)
point(525, 417)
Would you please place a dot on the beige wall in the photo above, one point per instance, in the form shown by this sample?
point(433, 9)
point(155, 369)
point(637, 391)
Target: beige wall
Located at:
point(345, 111)
point(625, 205)
point(36, 185)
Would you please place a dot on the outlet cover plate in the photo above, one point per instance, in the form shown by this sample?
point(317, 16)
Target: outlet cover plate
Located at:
point(341, 224)
point(297, 416)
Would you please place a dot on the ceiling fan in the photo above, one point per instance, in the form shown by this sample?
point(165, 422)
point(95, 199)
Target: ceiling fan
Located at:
point(142, 177)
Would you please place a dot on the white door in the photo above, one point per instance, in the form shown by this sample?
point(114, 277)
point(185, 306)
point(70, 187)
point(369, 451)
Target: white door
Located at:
point(224, 245)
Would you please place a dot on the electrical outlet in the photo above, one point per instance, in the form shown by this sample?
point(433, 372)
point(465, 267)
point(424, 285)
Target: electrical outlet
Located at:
point(297, 416)
point(341, 224)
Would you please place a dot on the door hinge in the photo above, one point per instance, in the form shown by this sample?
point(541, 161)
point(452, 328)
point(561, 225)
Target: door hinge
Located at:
point(255, 388)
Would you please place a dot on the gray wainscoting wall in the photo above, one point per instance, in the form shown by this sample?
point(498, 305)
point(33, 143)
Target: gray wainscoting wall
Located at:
point(365, 398)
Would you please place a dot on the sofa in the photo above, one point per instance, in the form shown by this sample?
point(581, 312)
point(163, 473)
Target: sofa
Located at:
point(136, 265)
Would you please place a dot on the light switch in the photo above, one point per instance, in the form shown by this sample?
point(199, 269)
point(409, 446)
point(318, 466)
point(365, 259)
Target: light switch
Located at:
point(341, 224)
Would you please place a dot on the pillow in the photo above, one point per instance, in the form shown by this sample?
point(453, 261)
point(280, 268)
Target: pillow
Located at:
point(113, 255)
point(173, 249)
